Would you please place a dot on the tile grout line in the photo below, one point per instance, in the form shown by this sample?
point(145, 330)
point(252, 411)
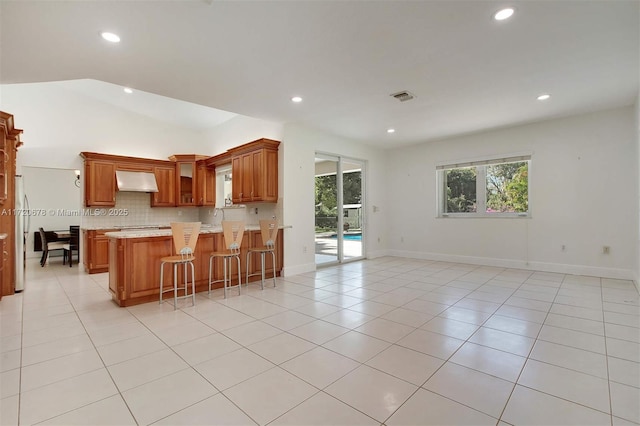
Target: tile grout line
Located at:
point(606, 352)
point(448, 360)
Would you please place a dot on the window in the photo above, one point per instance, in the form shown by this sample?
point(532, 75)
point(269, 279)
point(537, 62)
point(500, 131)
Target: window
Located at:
point(489, 188)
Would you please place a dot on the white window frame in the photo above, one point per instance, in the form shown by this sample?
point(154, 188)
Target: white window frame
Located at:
point(481, 187)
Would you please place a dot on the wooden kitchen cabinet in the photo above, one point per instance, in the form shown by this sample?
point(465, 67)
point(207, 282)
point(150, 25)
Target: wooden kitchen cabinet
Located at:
point(255, 172)
point(96, 250)
point(205, 185)
point(100, 178)
point(189, 188)
point(4, 169)
point(10, 141)
point(100, 183)
point(166, 180)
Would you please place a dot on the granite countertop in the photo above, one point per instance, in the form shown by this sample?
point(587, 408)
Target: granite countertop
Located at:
point(205, 229)
point(119, 227)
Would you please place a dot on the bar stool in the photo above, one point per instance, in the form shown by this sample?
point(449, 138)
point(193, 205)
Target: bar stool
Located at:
point(185, 237)
point(233, 231)
point(269, 232)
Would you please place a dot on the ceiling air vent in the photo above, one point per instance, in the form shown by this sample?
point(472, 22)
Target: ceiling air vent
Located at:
point(403, 96)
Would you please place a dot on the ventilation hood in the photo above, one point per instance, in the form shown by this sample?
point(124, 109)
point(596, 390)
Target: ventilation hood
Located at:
point(136, 181)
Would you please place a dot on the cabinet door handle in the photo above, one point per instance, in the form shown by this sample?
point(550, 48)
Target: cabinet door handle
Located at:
point(5, 255)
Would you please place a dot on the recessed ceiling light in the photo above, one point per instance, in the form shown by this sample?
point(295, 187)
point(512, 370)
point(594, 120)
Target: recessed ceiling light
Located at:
point(113, 38)
point(128, 90)
point(543, 97)
point(296, 99)
point(391, 130)
point(503, 14)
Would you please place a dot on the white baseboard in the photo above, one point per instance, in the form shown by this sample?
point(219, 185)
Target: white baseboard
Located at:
point(288, 271)
point(377, 253)
point(624, 274)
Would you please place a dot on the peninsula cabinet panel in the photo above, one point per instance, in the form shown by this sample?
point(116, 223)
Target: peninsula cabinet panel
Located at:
point(166, 180)
point(204, 248)
point(100, 183)
point(145, 275)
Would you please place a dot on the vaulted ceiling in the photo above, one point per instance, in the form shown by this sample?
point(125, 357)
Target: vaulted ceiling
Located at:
point(467, 71)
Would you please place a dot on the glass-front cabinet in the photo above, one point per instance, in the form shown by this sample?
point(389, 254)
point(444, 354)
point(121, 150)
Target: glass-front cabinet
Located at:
point(195, 182)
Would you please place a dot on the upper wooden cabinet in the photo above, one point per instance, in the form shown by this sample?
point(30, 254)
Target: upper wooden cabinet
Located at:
point(255, 171)
point(192, 188)
point(187, 179)
point(166, 180)
point(205, 185)
point(100, 183)
point(100, 178)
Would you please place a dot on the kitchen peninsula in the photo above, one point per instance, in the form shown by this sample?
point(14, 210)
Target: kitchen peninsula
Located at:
point(179, 189)
point(134, 261)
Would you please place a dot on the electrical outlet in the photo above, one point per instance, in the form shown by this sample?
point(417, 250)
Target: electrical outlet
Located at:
point(564, 248)
point(402, 239)
point(606, 249)
point(378, 239)
point(304, 249)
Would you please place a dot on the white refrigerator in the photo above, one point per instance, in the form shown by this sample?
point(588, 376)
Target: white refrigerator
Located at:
point(23, 223)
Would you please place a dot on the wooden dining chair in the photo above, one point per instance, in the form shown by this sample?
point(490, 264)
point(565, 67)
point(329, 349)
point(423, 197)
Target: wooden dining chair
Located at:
point(72, 245)
point(48, 246)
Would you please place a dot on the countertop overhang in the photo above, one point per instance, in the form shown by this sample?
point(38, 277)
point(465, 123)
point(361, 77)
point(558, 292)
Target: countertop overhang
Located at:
point(145, 233)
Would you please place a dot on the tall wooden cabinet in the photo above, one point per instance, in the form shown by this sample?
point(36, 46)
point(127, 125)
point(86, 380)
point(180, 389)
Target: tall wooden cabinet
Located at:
point(255, 171)
point(9, 144)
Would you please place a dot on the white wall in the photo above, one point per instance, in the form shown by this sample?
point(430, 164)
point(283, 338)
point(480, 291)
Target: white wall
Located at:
point(300, 146)
point(583, 170)
point(237, 131)
point(58, 124)
point(50, 189)
point(637, 168)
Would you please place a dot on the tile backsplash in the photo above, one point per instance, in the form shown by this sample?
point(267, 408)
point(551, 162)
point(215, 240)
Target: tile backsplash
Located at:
point(137, 206)
point(138, 211)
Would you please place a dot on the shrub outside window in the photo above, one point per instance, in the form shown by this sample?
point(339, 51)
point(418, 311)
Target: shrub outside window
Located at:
point(490, 188)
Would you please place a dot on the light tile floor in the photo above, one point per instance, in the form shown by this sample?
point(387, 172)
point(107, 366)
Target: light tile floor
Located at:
point(388, 341)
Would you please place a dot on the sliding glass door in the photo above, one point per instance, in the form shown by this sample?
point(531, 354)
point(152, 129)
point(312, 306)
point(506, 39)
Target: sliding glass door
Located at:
point(339, 207)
